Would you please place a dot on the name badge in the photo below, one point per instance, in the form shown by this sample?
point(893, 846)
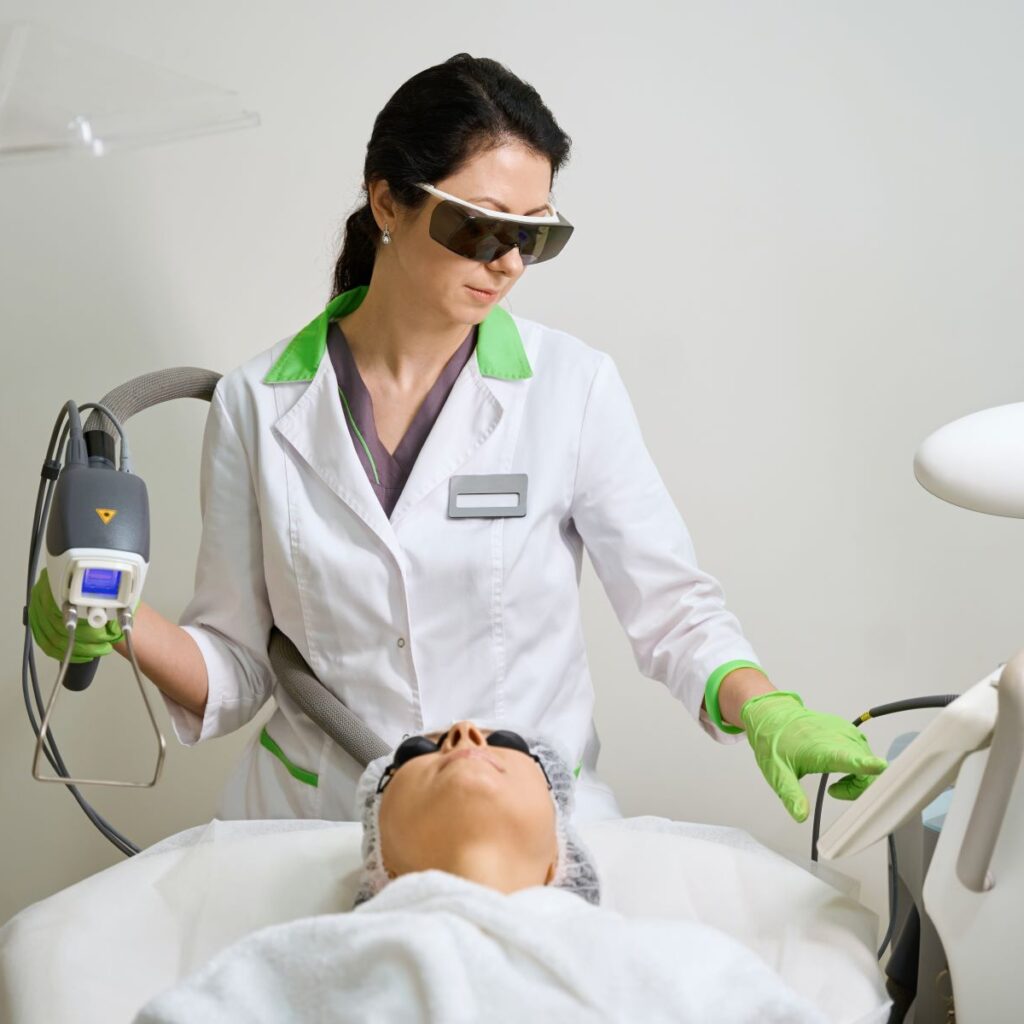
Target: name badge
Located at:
point(487, 496)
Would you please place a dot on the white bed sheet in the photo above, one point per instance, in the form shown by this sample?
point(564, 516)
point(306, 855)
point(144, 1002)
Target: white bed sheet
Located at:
point(101, 948)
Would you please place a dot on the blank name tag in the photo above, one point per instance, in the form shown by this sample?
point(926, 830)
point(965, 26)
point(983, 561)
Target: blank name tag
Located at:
point(487, 496)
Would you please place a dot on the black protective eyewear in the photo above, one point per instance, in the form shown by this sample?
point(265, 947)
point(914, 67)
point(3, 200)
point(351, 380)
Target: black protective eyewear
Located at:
point(478, 233)
point(416, 746)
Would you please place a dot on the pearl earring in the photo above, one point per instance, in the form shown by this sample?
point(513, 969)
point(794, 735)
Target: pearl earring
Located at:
point(385, 236)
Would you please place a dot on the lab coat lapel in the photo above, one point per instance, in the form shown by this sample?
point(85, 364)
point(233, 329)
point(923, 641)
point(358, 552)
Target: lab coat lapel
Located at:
point(315, 427)
point(468, 417)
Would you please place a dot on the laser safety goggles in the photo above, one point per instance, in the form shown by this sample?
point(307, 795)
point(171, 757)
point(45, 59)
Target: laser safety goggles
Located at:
point(416, 746)
point(478, 233)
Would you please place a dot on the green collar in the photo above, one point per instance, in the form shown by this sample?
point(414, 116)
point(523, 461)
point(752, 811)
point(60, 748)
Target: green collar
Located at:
point(499, 349)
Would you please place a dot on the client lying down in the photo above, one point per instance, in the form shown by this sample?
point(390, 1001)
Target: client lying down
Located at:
point(477, 901)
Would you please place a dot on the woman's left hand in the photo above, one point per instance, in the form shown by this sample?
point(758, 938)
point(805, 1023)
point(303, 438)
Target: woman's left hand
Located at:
point(791, 741)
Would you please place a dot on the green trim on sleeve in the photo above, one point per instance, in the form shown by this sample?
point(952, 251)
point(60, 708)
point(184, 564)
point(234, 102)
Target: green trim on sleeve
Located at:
point(576, 773)
point(712, 687)
point(309, 778)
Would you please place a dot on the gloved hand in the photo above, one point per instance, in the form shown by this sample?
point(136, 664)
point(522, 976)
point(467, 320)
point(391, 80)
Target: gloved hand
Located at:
point(47, 624)
point(791, 741)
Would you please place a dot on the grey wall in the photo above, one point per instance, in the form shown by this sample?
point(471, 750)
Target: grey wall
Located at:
point(798, 232)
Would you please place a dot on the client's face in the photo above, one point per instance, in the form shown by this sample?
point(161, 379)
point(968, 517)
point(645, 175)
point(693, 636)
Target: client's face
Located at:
point(456, 802)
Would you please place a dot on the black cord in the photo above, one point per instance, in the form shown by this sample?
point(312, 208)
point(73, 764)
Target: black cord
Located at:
point(910, 704)
point(44, 497)
point(47, 484)
point(893, 883)
point(124, 845)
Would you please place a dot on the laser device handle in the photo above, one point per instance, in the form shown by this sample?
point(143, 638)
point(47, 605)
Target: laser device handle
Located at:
point(80, 675)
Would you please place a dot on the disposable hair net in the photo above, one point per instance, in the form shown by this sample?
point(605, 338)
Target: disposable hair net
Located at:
point(575, 869)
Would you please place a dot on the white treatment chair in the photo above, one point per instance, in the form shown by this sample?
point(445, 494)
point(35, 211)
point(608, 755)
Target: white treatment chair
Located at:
point(101, 948)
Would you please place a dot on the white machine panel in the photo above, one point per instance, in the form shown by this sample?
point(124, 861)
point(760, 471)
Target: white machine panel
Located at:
point(919, 774)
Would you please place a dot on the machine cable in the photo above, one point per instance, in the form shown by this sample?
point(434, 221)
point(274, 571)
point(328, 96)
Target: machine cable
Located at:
point(67, 500)
point(910, 704)
point(69, 428)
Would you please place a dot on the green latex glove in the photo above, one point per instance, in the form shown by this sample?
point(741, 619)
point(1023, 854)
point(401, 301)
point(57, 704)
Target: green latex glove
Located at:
point(47, 624)
point(791, 741)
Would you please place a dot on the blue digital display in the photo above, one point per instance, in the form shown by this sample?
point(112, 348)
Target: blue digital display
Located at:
point(101, 583)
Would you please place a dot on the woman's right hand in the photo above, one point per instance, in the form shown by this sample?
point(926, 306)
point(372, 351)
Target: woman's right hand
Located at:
point(47, 622)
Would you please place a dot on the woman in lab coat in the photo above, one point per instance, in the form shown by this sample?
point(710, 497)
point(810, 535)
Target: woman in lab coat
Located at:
point(405, 487)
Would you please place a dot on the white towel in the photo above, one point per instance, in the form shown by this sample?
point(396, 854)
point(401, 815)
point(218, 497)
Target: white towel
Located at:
point(435, 947)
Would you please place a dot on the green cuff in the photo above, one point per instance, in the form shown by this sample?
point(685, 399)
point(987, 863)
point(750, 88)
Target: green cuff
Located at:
point(712, 687)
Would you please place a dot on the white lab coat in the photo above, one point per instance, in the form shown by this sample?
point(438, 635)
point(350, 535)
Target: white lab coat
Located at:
point(421, 620)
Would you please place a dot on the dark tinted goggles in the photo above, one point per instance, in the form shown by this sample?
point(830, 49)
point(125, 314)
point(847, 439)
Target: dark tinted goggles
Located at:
point(480, 234)
point(416, 746)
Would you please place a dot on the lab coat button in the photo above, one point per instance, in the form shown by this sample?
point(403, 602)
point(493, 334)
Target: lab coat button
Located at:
point(401, 641)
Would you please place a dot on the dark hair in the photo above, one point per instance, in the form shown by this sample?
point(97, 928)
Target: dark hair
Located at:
point(434, 124)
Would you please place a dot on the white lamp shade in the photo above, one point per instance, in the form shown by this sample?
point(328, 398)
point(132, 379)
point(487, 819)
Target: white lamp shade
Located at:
point(977, 461)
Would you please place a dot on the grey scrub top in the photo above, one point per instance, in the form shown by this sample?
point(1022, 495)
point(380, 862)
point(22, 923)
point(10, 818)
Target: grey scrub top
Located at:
point(388, 472)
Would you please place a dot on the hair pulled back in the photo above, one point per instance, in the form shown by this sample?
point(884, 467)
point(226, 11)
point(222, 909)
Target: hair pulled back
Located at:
point(433, 125)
